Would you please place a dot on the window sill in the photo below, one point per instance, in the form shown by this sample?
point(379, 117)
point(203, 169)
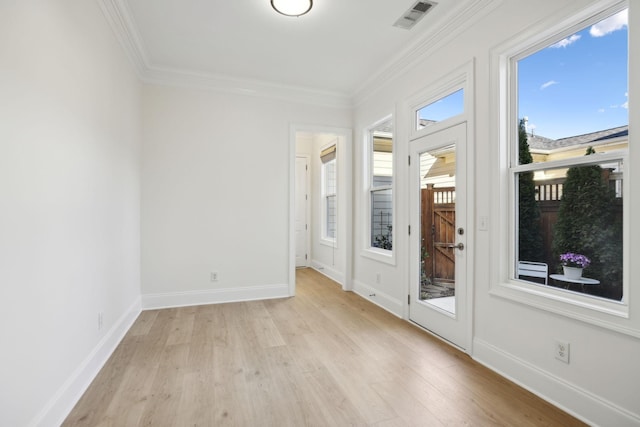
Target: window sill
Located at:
point(613, 315)
point(380, 255)
point(328, 242)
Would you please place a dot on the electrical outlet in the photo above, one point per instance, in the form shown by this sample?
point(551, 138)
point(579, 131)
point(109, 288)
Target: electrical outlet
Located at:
point(378, 278)
point(214, 276)
point(100, 320)
point(562, 351)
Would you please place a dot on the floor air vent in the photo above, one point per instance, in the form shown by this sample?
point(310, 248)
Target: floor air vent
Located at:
point(413, 15)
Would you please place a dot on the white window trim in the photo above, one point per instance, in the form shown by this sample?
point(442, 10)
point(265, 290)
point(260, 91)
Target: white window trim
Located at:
point(324, 239)
point(457, 79)
point(608, 314)
point(371, 252)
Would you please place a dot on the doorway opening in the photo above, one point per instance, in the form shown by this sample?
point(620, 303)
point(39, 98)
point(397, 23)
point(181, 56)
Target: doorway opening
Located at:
point(320, 160)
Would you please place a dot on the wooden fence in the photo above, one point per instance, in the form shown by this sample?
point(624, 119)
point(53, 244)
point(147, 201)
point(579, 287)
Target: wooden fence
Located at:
point(438, 224)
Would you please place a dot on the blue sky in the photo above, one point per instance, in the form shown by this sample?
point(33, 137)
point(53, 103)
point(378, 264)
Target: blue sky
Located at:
point(444, 108)
point(578, 85)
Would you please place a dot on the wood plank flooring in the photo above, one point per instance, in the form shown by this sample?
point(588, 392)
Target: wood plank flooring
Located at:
point(323, 358)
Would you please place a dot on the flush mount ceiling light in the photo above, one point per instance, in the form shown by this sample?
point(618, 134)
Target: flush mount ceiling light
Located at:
point(292, 7)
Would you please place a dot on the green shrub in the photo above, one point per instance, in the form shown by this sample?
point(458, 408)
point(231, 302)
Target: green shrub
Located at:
point(587, 223)
point(529, 236)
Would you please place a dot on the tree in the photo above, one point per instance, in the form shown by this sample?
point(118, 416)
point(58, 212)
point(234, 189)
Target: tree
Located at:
point(529, 236)
point(587, 222)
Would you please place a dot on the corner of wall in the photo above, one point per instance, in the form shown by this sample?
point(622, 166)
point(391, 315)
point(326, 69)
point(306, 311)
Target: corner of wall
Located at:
point(67, 396)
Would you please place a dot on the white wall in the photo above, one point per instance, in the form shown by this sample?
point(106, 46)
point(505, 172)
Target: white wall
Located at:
point(215, 186)
point(70, 194)
point(69, 203)
point(602, 382)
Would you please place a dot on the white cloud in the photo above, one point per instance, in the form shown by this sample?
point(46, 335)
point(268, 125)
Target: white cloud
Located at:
point(547, 84)
point(613, 23)
point(566, 42)
point(600, 110)
point(623, 105)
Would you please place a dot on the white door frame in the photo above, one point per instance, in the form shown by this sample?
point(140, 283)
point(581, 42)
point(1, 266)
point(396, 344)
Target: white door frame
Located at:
point(307, 203)
point(460, 77)
point(345, 202)
point(451, 327)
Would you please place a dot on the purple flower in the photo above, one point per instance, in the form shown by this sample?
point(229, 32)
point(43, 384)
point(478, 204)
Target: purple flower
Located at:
point(570, 259)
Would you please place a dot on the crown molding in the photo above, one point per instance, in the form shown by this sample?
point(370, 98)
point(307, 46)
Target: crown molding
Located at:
point(118, 16)
point(248, 87)
point(451, 26)
point(121, 20)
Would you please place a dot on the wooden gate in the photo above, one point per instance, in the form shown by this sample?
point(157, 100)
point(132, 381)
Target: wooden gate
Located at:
point(438, 227)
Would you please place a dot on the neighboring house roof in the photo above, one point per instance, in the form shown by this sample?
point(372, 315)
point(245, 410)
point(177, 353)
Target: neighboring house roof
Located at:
point(537, 142)
point(423, 123)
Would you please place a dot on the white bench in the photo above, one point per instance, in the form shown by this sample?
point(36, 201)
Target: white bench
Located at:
point(533, 269)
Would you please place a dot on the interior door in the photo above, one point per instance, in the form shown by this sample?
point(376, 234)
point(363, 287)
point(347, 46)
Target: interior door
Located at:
point(302, 209)
point(438, 299)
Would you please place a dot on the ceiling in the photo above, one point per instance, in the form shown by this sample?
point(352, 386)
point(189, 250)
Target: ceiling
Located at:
point(338, 47)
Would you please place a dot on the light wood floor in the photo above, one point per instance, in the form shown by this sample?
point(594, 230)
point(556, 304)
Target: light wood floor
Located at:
point(324, 357)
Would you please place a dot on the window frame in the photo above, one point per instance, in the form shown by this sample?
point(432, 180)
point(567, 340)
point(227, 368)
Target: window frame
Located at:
point(598, 311)
point(383, 255)
point(325, 239)
point(458, 84)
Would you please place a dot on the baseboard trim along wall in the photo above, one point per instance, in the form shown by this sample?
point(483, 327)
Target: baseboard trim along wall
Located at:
point(582, 404)
point(392, 305)
point(63, 401)
point(330, 272)
point(213, 296)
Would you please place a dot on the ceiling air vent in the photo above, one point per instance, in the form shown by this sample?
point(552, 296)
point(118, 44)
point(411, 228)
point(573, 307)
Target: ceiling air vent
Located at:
point(414, 14)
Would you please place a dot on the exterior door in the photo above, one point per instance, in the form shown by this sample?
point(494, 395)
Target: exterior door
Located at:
point(302, 212)
point(438, 299)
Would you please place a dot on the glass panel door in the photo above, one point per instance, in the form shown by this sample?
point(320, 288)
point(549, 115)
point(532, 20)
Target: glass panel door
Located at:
point(438, 259)
point(438, 227)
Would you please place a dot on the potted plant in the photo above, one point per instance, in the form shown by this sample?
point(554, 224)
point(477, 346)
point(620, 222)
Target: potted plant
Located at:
point(572, 264)
point(588, 224)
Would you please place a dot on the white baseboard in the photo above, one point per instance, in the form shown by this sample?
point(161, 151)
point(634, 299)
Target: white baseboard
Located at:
point(213, 296)
point(582, 404)
point(63, 401)
point(392, 305)
point(328, 271)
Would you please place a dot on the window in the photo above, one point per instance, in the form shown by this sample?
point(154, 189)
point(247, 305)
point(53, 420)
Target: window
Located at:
point(442, 109)
point(381, 186)
point(329, 199)
point(568, 142)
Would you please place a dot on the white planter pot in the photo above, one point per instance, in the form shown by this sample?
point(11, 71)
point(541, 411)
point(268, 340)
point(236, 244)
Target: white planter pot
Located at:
point(574, 273)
